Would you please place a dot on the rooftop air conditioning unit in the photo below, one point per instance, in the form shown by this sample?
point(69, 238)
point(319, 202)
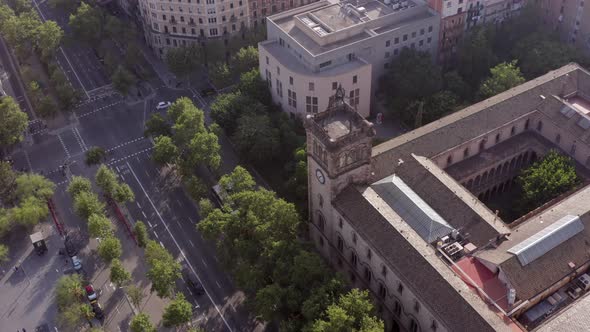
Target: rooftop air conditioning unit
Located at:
point(453, 249)
point(583, 281)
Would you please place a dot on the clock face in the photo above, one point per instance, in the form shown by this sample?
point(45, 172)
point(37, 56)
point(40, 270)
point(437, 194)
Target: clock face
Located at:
point(320, 176)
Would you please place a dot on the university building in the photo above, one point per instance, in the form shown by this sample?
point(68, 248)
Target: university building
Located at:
point(409, 219)
point(314, 49)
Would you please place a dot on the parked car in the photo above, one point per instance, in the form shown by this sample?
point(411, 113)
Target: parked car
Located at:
point(163, 105)
point(97, 309)
point(70, 247)
point(90, 293)
point(208, 92)
point(193, 284)
point(77, 263)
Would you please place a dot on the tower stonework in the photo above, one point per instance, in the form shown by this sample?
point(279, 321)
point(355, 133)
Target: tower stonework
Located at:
point(339, 143)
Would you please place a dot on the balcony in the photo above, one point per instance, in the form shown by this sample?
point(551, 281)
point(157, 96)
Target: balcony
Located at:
point(233, 19)
point(173, 21)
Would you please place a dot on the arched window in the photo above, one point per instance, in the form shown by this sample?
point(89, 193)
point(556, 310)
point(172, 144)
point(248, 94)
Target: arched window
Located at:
point(466, 153)
point(321, 221)
point(368, 274)
point(470, 183)
point(477, 181)
point(353, 259)
point(526, 124)
point(397, 308)
point(382, 290)
point(340, 222)
point(413, 326)
point(340, 244)
point(482, 145)
point(512, 131)
point(558, 138)
point(383, 270)
point(321, 200)
point(416, 306)
point(540, 126)
point(449, 160)
point(354, 238)
point(497, 137)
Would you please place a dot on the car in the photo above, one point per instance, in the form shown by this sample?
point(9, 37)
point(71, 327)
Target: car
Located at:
point(77, 263)
point(70, 247)
point(163, 105)
point(97, 309)
point(193, 284)
point(208, 92)
point(90, 293)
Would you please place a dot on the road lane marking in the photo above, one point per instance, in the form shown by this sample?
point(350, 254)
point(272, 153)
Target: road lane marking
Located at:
point(217, 283)
point(149, 223)
point(204, 263)
point(143, 213)
point(178, 223)
point(139, 206)
point(125, 143)
point(156, 235)
point(63, 145)
point(162, 244)
point(99, 109)
point(178, 246)
point(110, 163)
point(192, 244)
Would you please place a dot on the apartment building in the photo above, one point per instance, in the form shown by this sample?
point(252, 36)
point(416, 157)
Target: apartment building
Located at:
point(453, 16)
point(570, 18)
point(411, 219)
point(496, 11)
point(313, 50)
point(258, 10)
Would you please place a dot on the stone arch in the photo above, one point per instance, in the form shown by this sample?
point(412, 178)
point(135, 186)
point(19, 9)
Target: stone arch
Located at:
point(540, 126)
point(480, 197)
point(470, 182)
point(482, 145)
point(466, 152)
point(449, 159)
point(492, 174)
point(512, 131)
point(558, 138)
point(321, 221)
point(526, 124)
point(519, 161)
point(505, 168)
point(525, 158)
point(534, 157)
point(484, 177)
point(512, 163)
point(477, 181)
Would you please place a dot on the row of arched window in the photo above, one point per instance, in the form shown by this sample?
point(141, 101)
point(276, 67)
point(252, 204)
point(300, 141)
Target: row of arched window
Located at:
point(500, 171)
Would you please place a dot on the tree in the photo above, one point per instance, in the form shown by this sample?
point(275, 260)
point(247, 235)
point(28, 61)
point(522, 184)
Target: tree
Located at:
point(246, 59)
point(69, 290)
point(196, 187)
point(79, 184)
point(178, 107)
point(412, 76)
point(30, 211)
point(66, 5)
point(66, 95)
point(20, 6)
point(226, 109)
point(220, 75)
point(99, 226)
point(163, 269)
point(476, 56)
point(141, 323)
point(506, 75)
point(203, 149)
point(434, 107)
point(205, 207)
point(184, 60)
point(123, 80)
point(32, 184)
point(178, 312)
point(95, 155)
point(106, 180)
point(47, 107)
point(7, 183)
point(190, 122)
point(256, 138)
point(71, 317)
point(123, 193)
point(156, 126)
point(165, 152)
point(13, 122)
point(353, 312)
point(119, 275)
point(87, 204)
point(86, 23)
point(114, 27)
point(135, 295)
point(48, 37)
point(454, 83)
point(253, 86)
point(3, 253)
point(546, 179)
point(237, 181)
point(141, 234)
point(6, 221)
point(109, 248)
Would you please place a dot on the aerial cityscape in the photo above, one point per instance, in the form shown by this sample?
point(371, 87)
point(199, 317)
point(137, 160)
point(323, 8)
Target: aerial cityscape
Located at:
point(285, 165)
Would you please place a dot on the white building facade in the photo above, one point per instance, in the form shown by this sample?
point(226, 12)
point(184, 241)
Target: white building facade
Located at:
point(314, 49)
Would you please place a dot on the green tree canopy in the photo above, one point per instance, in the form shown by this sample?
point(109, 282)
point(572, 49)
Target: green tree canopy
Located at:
point(119, 276)
point(109, 248)
point(30, 211)
point(245, 59)
point(203, 149)
point(142, 323)
point(87, 204)
point(165, 151)
point(13, 121)
point(184, 60)
point(156, 126)
point(434, 107)
point(48, 37)
point(135, 295)
point(163, 269)
point(220, 75)
point(95, 155)
point(476, 56)
point(205, 207)
point(353, 312)
point(123, 193)
point(229, 107)
point(252, 85)
point(547, 179)
point(69, 290)
point(256, 138)
point(7, 183)
point(178, 312)
point(87, 23)
point(141, 234)
point(106, 180)
point(32, 184)
point(100, 226)
point(123, 80)
point(237, 181)
point(79, 184)
point(3, 253)
point(506, 75)
point(188, 123)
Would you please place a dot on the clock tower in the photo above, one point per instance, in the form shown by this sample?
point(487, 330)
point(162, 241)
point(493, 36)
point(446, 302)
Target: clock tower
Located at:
point(339, 144)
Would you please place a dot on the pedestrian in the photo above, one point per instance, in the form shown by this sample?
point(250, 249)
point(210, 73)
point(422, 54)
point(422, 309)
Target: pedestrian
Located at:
point(15, 268)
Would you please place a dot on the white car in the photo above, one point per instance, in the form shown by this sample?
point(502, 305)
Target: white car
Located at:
point(163, 105)
point(76, 263)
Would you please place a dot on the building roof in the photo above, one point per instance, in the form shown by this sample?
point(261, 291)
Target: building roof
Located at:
point(435, 285)
point(576, 317)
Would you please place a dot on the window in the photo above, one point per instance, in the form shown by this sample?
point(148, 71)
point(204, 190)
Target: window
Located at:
point(354, 97)
point(449, 160)
point(387, 55)
point(434, 326)
point(210, 10)
point(164, 17)
point(430, 28)
point(311, 86)
point(369, 253)
point(539, 126)
point(512, 131)
point(291, 80)
point(414, 34)
point(183, 30)
point(278, 70)
point(321, 222)
point(340, 244)
point(421, 42)
point(466, 152)
point(279, 88)
point(429, 40)
point(182, 19)
point(325, 64)
point(421, 31)
point(213, 32)
point(200, 20)
point(400, 288)
point(387, 43)
point(526, 124)
point(405, 37)
point(267, 60)
point(311, 104)
point(396, 40)
point(340, 222)
point(497, 137)
point(383, 270)
point(292, 96)
point(416, 306)
point(368, 274)
point(397, 308)
point(413, 326)
point(212, 20)
point(354, 238)
point(353, 259)
point(382, 291)
point(321, 240)
point(354, 79)
point(334, 85)
point(193, 31)
point(174, 29)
